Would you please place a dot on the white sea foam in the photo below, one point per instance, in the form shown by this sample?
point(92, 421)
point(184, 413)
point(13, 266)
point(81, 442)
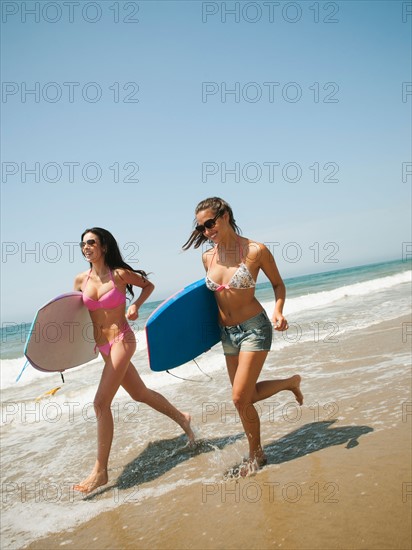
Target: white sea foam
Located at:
point(11, 368)
point(35, 435)
point(326, 297)
point(294, 307)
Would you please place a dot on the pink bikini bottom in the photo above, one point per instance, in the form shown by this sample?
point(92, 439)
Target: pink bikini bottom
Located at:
point(105, 348)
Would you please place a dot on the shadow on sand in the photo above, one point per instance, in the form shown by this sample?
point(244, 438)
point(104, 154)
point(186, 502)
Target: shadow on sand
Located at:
point(160, 457)
point(311, 438)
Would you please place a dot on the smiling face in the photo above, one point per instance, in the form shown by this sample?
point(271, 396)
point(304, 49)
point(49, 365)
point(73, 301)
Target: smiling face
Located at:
point(91, 247)
point(211, 226)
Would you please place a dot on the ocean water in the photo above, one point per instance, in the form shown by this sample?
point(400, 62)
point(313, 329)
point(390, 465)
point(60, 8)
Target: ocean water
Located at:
point(48, 442)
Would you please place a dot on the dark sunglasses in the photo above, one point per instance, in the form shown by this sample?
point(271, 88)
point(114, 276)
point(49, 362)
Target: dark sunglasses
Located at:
point(90, 242)
point(209, 224)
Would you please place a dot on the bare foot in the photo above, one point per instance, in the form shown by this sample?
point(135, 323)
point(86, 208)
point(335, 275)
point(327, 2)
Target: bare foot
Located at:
point(187, 428)
point(295, 388)
point(251, 466)
point(95, 480)
point(260, 459)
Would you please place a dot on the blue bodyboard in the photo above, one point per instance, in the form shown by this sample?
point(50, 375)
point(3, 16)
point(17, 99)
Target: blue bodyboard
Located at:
point(182, 327)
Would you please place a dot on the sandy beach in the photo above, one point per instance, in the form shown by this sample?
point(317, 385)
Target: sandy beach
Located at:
point(235, 145)
point(338, 474)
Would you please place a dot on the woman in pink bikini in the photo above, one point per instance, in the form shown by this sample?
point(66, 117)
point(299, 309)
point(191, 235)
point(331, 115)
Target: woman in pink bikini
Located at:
point(104, 289)
point(232, 266)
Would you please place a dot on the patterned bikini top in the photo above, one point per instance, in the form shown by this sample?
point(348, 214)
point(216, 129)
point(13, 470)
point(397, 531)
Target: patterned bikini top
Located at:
point(241, 279)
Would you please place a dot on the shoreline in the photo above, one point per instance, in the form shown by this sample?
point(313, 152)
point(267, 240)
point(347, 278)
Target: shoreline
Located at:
point(334, 510)
point(344, 476)
point(148, 307)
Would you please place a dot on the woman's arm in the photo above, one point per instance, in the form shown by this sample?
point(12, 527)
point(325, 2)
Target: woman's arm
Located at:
point(205, 259)
point(269, 268)
point(135, 279)
point(78, 281)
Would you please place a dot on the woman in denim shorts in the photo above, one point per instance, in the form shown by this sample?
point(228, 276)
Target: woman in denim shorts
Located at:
point(232, 266)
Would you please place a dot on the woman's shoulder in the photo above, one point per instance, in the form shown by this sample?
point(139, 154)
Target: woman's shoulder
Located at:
point(123, 272)
point(118, 271)
point(83, 274)
point(80, 278)
point(207, 254)
point(250, 245)
point(123, 275)
point(254, 251)
point(209, 251)
point(253, 242)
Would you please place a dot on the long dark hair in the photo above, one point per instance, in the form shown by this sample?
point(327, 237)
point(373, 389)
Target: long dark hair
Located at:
point(113, 257)
point(218, 206)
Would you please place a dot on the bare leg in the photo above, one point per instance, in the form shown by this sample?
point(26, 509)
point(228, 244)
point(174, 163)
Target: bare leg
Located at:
point(138, 391)
point(114, 370)
point(244, 370)
point(267, 388)
point(249, 365)
point(119, 371)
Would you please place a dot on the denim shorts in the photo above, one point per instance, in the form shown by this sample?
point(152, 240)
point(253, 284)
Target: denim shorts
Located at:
point(255, 334)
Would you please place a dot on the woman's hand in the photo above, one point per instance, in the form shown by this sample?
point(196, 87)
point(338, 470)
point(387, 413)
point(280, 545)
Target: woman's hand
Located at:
point(279, 322)
point(132, 312)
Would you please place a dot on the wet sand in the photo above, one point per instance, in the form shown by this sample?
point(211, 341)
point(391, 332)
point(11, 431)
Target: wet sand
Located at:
point(338, 475)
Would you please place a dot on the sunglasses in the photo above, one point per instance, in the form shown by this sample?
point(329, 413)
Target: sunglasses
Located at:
point(209, 224)
point(90, 242)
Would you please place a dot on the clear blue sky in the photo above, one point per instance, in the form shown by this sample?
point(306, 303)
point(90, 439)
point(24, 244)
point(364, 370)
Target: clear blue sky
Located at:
point(319, 93)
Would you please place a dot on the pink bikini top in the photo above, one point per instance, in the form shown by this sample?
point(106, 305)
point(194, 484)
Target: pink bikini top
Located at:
point(241, 279)
point(109, 300)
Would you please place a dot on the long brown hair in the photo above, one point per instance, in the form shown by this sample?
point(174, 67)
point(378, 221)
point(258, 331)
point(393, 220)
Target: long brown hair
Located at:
point(113, 257)
point(218, 206)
